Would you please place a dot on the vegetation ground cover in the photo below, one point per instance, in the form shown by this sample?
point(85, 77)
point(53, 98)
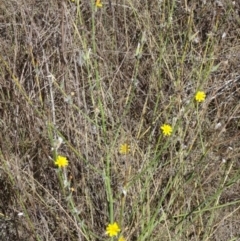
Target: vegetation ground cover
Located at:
point(102, 134)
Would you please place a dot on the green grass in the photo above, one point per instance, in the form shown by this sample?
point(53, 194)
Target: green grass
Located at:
point(99, 78)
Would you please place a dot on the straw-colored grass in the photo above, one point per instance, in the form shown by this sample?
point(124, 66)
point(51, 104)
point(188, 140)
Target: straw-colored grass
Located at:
point(95, 85)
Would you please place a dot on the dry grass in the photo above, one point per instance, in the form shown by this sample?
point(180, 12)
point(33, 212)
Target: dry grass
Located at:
point(99, 78)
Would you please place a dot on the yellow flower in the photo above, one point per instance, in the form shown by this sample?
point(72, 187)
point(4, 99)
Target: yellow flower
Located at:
point(121, 239)
point(98, 3)
point(200, 96)
point(124, 149)
point(166, 129)
point(61, 161)
point(112, 229)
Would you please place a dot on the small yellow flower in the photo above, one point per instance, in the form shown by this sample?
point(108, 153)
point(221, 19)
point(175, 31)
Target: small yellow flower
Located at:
point(166, 129)
point(98, 3)
point(200, 96)
point(121, 239)
point(112, 229)
point(61, 161)
point(124, 149)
